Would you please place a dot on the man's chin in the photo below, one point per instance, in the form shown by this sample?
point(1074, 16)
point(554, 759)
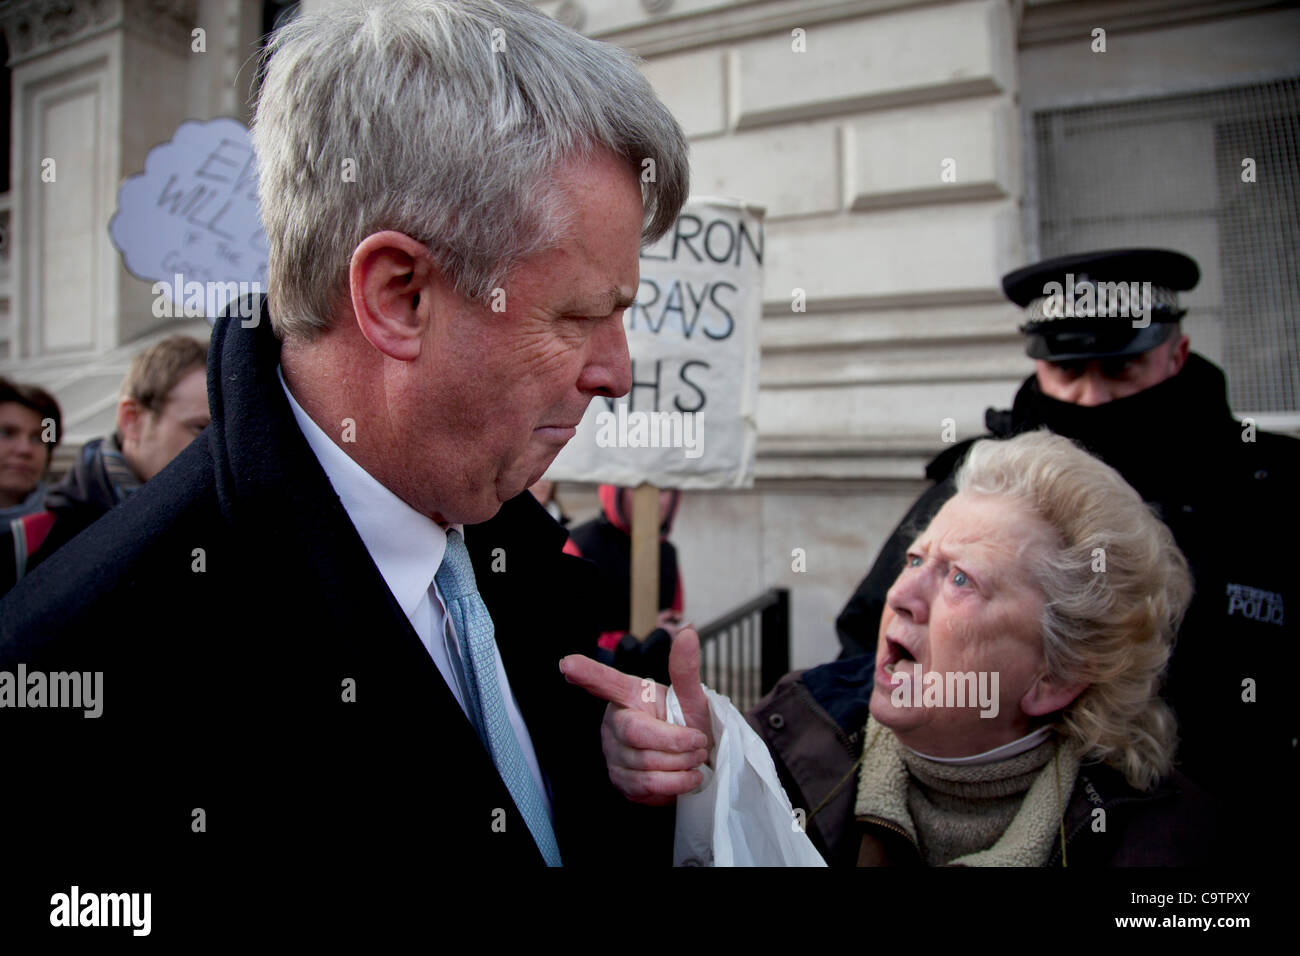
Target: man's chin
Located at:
point(476, 513)
point(538, 471)
point(471, 510)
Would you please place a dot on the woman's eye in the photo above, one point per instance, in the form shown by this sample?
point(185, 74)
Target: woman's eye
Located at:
point(959, 578)
point(913, 560)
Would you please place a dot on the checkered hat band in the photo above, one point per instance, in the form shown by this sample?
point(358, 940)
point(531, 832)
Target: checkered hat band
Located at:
point(1103, 305)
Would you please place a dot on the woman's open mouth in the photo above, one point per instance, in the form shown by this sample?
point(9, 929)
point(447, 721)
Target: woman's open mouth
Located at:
point(895, 654)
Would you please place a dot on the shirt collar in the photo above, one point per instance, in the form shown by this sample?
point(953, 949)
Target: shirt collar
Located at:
point(405, 545)
point(1027, 742)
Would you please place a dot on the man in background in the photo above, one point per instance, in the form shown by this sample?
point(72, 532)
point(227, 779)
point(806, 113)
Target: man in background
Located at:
point(606, 540)
point(163, 407)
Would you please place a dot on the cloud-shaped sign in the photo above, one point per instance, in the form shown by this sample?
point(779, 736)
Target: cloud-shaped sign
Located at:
point(193, 214)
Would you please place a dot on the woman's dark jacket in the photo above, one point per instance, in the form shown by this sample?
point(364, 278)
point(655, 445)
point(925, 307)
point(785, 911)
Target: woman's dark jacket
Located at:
point(812, 722)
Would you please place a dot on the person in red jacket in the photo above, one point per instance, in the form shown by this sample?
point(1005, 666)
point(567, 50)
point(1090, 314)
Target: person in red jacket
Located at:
point(607, 541)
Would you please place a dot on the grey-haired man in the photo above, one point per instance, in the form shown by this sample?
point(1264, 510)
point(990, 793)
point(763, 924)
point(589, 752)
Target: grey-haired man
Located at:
point(288, 618)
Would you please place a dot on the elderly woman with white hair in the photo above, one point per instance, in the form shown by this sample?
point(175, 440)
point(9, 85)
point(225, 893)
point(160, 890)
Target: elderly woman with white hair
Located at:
point(1010, 715)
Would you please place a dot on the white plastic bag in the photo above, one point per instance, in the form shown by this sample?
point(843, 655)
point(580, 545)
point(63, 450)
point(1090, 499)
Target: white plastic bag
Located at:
point(740, 815)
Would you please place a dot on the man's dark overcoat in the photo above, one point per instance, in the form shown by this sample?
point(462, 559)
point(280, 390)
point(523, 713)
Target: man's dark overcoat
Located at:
point(256, 668)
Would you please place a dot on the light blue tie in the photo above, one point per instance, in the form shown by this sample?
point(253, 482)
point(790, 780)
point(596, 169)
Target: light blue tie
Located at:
point(487, 709)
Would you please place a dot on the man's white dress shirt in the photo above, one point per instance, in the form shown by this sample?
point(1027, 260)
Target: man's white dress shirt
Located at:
point(407, 547)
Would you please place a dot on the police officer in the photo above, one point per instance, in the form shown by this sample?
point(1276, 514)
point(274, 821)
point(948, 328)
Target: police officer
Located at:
point(1114, 373)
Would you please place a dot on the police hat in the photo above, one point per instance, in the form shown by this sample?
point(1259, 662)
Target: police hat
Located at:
point(1101, 304)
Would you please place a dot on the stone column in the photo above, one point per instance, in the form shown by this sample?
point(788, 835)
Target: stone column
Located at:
point(96, 84)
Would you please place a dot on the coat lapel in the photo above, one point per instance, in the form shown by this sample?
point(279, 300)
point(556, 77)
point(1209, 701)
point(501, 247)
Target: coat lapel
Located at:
point(406, 736)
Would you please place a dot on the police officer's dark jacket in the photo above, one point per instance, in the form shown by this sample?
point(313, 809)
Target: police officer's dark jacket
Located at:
point(1228, 492)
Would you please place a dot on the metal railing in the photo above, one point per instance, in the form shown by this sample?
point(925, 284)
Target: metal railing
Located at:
point(746, 651)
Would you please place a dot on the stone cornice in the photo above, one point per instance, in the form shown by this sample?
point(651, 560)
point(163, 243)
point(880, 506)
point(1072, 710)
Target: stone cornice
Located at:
point(664, 29)
point(668, 31)
point(1052, 21)
point(37, 27)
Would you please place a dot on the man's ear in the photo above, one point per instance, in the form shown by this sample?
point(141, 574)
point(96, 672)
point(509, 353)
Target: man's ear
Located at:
point(130, 415)
point(1178, 355)
point(390, 280)
point(130, 425)
point(1048, 695)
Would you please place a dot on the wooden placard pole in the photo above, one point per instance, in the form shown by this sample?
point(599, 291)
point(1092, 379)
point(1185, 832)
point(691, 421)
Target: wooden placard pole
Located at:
point(645, 560)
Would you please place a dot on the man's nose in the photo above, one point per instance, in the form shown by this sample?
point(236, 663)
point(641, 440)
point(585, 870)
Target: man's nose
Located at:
point(1094, 389)
point(608, 370)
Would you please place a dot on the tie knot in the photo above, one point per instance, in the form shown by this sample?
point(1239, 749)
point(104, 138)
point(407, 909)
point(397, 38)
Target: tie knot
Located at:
point(455, 575)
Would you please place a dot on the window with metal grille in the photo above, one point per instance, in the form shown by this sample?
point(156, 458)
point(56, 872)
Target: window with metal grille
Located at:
point(1212, 174)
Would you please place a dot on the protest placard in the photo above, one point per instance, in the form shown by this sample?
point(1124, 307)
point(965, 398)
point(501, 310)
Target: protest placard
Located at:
point(190, 223)
point(693, 335)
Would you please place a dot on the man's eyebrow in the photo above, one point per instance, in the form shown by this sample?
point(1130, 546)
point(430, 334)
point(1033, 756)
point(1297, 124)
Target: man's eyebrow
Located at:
point(603, 303)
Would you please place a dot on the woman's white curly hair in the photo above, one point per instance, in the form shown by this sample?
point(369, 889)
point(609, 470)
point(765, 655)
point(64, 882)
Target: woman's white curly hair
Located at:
point(1115, 590)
